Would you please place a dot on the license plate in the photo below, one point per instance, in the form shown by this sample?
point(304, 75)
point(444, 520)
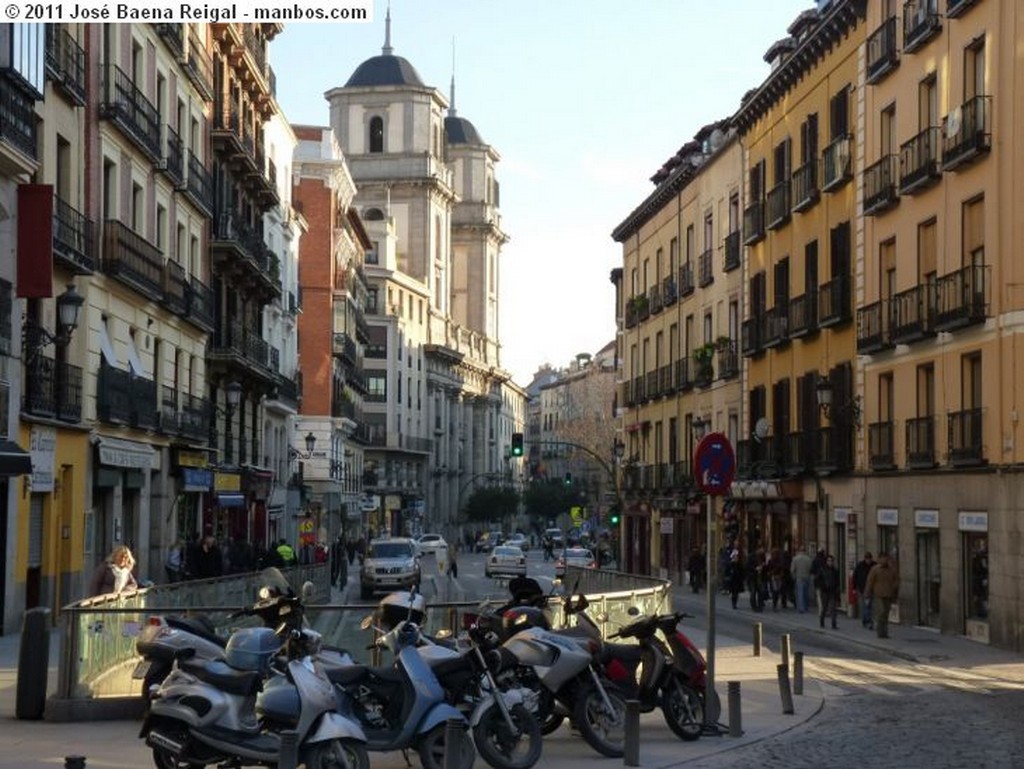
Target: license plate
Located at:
point(141, 669)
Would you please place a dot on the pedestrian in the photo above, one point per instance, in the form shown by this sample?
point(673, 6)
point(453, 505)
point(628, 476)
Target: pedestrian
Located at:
point(350, 550)
point(800, 569)
point(339, 553)
point(174, 564)
point(816, 564)
point(453, 565)
point(286, 553)
point(828, 584)
point(883, 587)
point(734, 576)
point(755, 574)
point(776, 583)
point(441, 555)
point(210, 562)
point(114, 575)
point(860, 581)
point(695, 567)
point(192, 549)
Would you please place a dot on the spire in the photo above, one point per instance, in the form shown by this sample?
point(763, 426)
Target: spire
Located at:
point(387, 49)
point(451, 96)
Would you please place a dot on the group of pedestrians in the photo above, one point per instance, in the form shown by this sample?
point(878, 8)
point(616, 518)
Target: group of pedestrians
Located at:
point(773, 576)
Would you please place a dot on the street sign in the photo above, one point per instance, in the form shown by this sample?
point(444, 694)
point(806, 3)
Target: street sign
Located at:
point(714, 465)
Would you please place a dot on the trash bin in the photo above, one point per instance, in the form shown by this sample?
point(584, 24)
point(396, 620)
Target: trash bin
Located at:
point(33, 664)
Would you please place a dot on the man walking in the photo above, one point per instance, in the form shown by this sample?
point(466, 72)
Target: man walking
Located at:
point(828, 584)
point(800, 568)
point(860, 581)
point(883, 587)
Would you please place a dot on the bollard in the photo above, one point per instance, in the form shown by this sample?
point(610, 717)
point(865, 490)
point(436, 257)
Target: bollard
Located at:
point(798, 673)
point(33, 662)
point(631, 754)
point(757, 639)
point(784, 648)
point(735, 713)
point(453, 736)
point(74, 762)
point(289, 756)
point(784, 692)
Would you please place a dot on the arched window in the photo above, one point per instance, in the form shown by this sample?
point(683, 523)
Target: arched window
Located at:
point(373, 215)
point(376, 134)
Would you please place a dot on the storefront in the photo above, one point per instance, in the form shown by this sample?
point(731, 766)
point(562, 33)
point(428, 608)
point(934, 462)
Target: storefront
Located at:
point(225, 515)
point(194, 482)
point(121, 496)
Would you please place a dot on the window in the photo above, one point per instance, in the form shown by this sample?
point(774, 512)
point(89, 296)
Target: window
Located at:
point(110, 208)
point(161, 228)
point(809, 139)
point(926, 390)
point(887, 135)
point(376, 387)
point(975, 554)
point(138, 210)
point(782, 161)
point(709, 231)
point(376, 134)
point(63, 185)
point(734, 212)
point(927, 252)
point(974, 70)
point(927, 103)
point(757, 181)
point(673, 255)
point(971, 385)
point(974, 232)
point(838, 114)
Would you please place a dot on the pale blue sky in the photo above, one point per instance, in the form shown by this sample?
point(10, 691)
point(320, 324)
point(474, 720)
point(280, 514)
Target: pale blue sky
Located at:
point(583, 99)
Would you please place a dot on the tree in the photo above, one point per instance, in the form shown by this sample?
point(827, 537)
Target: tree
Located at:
point(491, 503)
point(548, 499)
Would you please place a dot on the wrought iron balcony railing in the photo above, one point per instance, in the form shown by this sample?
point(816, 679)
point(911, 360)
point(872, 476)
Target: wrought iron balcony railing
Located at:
point(837, 163)
point(883, 54)
point(779, 205)
point(805, 185)
point(919, 161)
point(74, 237)
point(967, 133)
point(706, 268)
point(873, 328)
point(913, 314)
point(752, 337)
point(921, 22)
point(669, 291)
point(921, 442)
point(880, 186)
point(834, 302)
point(17, 119)
point(753, 223)
point(686, 286)
point(776, 325)
point(65, 63)
point(728, 360)
point(132, 259)
point(174, 162)
point(881, 451)
point(732, 251)
point(803, 314)
point(125, 105)
point(684, 380)
point(961, 298)
point(200, 184)
point(966, 441)
point(53, 389)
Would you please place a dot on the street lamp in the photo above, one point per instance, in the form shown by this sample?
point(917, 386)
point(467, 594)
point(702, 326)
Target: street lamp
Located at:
point(310, 445)
point(69, 306)
point(700, 427)
point(232, 397)
point(824, 393)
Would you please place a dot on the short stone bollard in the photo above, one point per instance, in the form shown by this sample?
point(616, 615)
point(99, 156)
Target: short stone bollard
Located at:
point(757, 639)
point(74, 762)
point(798, 673)
point(784, 691)
point(784, 648)
point(631, 753)
point(735, 711)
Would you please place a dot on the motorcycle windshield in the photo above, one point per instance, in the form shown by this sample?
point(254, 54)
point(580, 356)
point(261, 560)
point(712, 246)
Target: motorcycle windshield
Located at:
point(272, 579)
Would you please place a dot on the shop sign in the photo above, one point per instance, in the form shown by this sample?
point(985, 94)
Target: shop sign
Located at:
point(926, 519)
point(668, 525)
point(188, 458)
point(42, 446)
point(227, 482)
point(197, 480)
point(840, 514)
point(973, 521)
point(888, 516)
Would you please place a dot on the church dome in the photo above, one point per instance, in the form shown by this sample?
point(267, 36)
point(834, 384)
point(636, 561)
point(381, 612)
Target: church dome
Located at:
point(385, 69)
point(461, 131)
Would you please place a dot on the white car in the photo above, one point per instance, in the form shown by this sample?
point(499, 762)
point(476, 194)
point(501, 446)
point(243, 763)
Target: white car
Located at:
point(574, 556)
point(430, 543)
point(506, 561)
point(520, 541)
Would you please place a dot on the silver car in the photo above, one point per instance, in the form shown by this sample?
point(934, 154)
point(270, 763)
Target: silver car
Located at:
point(389, 564)
point(506, 561)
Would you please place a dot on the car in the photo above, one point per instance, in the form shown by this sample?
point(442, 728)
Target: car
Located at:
point(519, 540)
point(506, 561)
point(430, 544)
point(389, 564)
point(555, 537)
point(574, 556)
point(488, 540)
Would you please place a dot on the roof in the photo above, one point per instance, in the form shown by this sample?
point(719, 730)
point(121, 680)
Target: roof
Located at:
point(385, 69)
point(461, 131)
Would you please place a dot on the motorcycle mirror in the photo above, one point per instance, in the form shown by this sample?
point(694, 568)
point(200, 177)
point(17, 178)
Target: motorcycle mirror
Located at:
point(632, 611)
point(308, 591)
point(443, 633)
point(367, 622)
point(602, 617)
point(264, 593)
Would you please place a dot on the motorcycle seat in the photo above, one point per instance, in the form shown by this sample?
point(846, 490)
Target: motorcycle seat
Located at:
point(223, 676)
point(199, 625)
point(346, 675)
point(626, 653)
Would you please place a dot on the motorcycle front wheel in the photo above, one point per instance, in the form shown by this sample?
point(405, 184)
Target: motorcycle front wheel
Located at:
point(164, 759)
point(337, 754)
point(603, 729)
point(505, 748)
point(683, 709)
point(431, 749)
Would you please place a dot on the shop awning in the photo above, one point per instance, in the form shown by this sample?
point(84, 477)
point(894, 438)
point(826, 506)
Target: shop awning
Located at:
point(231, 500)
point(14, 460)
point(121, 453)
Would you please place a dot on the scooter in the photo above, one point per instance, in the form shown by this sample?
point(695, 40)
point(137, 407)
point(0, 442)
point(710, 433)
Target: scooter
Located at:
point(402, 707)
point(672, 672)
point(234, 711)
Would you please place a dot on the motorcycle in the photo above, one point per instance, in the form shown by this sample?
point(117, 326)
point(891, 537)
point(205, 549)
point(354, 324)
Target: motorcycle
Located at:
point(672, 672)
point(501, 720)
point(402, 707)
point(166, 637)
point(233, 711)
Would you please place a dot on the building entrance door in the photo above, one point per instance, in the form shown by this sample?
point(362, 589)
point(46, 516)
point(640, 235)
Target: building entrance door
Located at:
point(929, 577)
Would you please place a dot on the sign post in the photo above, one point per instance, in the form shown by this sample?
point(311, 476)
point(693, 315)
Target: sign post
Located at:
point(714, 465)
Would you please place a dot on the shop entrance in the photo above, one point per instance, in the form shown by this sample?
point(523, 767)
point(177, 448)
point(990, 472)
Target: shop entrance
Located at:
point(929, 577)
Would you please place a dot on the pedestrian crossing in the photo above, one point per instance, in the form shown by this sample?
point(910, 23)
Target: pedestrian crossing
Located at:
point(846, 677)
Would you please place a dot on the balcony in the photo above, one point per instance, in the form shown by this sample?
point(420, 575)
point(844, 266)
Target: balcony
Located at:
point(967, 133)
point(800, 447)
point(200, 305)
point(654, 299)
point(199, 187)
point(344, 347)
point(17, 119)
point(125, 399)
point(126, 106)
point(174, 160)
point(833, 445)
point(167, 411)
point(873, 328)
point(881, 454)
point(956, 8)
point(639, 390)
point(238, 249)
point(686, 286)
point(176, 288)
point(703, 372)
point(880, 186)
point(883, 56)
point(753, 223)
point(133, 260)
point(234, 344)
point(728, 360)
point(53, 389)
point(706, 268)
point(913, 314)
point(921, 443)
point(803, 314)
point(836, 162)
point(961, 298)
point(683, 377)
point(834, 302)
point(966, 447)
point(74, 238)
point(666, 383)
point(652, 385)
point(919, 162)
point(732, 251)
point(805, 186)
point(173, 37)
point(65, 63)
point(669, 291)
point(776, 325)
point(751, 337)
point(778, 205)
point(198, 65)
point(921, 22)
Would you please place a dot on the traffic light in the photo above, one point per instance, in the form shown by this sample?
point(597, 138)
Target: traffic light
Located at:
point(614, 519)
point(568, 479)
point(517, 444)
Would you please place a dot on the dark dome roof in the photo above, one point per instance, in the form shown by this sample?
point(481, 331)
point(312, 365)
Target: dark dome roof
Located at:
point(385, 70)
point(461, 131)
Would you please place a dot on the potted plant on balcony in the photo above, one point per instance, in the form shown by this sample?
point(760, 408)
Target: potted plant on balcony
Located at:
point(723, 343)
point(638, 303)
point(702, 357)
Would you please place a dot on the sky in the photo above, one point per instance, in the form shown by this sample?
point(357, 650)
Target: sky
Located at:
point(583, 99)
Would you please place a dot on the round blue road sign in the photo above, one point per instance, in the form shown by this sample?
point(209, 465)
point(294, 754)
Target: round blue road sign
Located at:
point(714, 464)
